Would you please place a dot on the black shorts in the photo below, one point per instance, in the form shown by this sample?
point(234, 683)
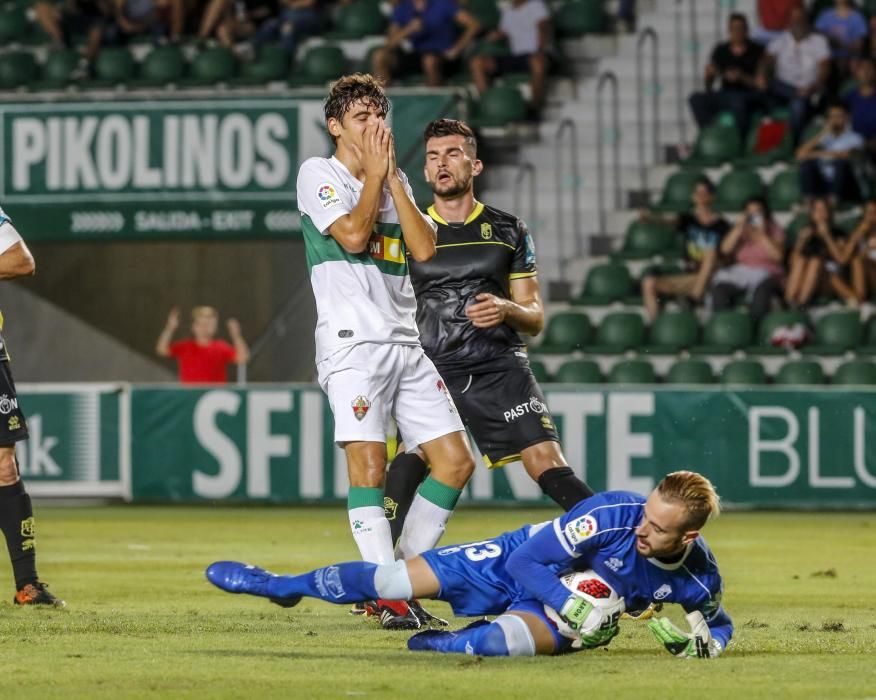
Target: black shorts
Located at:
point(505, 412)
point(513, 64)
point(13, 426)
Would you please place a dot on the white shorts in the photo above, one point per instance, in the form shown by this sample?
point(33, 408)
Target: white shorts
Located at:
point(368, 384)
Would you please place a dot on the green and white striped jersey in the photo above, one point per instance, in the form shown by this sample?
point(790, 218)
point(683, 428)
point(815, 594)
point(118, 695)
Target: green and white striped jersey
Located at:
point(360, 298)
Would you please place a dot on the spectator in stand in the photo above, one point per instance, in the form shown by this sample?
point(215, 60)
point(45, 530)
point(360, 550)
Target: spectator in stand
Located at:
point(202, 359)
point(702, 230)
point(230, 21)
point(862, 104)
point(796, 69)
point(862, 244)
point(526, 26)
point(163, 20)
point(821, 255)
point(296, 20)
point(70, 18)
point(826, 167)
point(773, 18)
point(845, 29)
point(424, 35)
point(756, 246)
point(735, 62)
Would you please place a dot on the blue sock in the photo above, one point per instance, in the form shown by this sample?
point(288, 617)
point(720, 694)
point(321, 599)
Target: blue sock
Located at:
point(351, 582)
point(480, 639)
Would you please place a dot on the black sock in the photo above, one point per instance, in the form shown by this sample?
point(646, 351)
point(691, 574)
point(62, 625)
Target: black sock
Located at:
point(405, 474)
point(16, 522)
point(561, 484)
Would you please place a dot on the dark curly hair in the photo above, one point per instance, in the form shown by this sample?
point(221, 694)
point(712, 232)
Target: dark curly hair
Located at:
point(450, 127)
point(351, 89)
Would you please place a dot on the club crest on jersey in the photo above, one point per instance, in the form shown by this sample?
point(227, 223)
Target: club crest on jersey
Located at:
point(662, 592)
point(580, 529)
point(327, 195)
point(486, 231)
point(360, 405)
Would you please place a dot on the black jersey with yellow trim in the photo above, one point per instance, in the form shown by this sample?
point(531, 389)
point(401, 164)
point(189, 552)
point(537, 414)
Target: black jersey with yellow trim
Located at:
point(481, 254)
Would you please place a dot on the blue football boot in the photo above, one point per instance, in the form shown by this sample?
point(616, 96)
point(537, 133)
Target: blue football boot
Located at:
point(236, 577)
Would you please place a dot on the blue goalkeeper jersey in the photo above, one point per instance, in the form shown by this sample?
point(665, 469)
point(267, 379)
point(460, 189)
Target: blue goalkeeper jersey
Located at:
point(599, 534)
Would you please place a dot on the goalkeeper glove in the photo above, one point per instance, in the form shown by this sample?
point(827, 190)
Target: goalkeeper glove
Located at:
point(575, 611)
point(599, 638)
point(696, 645)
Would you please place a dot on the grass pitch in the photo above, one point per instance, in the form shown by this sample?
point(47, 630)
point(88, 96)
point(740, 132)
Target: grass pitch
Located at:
point(143, 622)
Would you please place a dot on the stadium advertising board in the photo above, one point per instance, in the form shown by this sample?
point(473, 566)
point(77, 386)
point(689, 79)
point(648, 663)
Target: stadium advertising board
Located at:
point(767, 448)
point(75, 446)
point(174, 168)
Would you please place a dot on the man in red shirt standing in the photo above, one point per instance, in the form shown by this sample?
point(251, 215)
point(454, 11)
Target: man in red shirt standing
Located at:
point(202, 359)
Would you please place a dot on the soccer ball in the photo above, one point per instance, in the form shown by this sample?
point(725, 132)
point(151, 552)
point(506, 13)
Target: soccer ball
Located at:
point(607, 605)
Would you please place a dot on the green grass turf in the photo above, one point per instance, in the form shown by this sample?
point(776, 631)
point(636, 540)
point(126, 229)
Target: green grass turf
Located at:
point(142, 621)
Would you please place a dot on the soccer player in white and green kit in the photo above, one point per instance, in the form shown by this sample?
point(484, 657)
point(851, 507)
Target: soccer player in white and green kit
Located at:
point(359, 219)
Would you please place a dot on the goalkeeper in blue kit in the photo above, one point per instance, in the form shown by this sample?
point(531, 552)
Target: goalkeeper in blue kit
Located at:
point(649, 551)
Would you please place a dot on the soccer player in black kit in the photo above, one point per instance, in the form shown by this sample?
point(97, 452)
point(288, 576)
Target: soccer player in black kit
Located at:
point(473, 298)
point(16, 513)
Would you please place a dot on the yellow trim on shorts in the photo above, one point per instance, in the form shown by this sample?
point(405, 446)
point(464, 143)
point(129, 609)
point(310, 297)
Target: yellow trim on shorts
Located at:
point(501, 462)
point(521, 275)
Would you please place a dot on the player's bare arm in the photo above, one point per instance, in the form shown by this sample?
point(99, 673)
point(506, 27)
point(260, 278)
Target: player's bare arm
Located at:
point(16, 261)
point(419, 233)
point(524, 311)
point(353, 230)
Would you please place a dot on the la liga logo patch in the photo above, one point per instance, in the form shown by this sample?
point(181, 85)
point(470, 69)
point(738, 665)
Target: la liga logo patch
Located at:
point(327, 195)
point(580, 529)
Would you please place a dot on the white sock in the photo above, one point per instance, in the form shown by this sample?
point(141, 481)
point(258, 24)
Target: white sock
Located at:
point(372, 534)
point(423, 528)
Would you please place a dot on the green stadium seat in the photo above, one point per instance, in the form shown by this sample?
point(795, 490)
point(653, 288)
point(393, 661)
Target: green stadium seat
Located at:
point(868, 342)
point(743, 372)
point(737, 187)
point(800, 372)
point(499, 106)
point(271, 64)
point(725, 332)
point(566, 331)
point(358, 20)
point(632, 372)
point(17, 69)
point(677, 191)
point(836, 333)
point(214, 65)
point(646, 238)
point(113, 65)
point(855, 372)
point(690, 372)
point(539, 371)
point(14, 25)
point(320, 65)
point(487, 13)
point(605, 284)
point(672, 331)
point(715, 145)
point(772, 321)
point(162, 66)
point(783, 150)
point(58, 69)
point(579, 17)
point(619, 331)
point(579, 372)
point(784, 191)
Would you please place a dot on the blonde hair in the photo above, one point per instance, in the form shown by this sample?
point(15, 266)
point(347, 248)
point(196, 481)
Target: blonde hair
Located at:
point(200, 311)
point(696, 493)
